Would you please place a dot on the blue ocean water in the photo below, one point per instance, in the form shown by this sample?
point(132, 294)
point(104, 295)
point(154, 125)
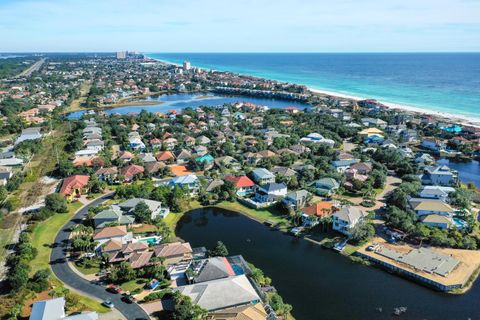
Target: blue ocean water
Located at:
point(445, 82)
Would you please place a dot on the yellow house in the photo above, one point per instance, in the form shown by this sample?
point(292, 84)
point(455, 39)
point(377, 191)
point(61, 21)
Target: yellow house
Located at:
point(371, 132)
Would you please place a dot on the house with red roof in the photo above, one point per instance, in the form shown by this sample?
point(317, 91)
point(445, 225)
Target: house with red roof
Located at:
point(131, 171)
point(165, 156)
point(74, 186)
point(243, 184)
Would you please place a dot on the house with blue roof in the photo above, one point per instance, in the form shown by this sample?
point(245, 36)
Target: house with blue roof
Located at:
point(189, 182)
point(263, 176)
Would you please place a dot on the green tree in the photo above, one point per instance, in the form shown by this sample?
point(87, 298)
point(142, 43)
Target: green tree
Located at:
point(122, 272)
point(220, 250)
point(55, 202)
point(184, 309)
point(142, 212)
point(362, 232)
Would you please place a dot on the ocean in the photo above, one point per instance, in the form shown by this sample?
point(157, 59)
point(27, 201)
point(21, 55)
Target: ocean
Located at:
point(442, 82)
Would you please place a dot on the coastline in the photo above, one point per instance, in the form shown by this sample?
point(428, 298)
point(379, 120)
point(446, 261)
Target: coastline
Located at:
point(464, 120)
point(442, 116)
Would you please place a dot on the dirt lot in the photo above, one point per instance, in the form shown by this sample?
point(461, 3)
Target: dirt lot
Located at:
point(469, 261)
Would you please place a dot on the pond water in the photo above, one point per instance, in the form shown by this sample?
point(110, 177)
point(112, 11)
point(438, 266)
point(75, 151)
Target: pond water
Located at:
point(467, 171)
point(193, 100)
point(319, 283)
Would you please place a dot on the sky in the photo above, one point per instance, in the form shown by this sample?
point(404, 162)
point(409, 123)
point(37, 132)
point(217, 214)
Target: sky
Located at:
point(239, 25)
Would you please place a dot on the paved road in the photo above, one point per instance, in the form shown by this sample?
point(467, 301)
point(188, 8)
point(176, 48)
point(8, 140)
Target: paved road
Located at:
point(62, 270)
point(34, 67)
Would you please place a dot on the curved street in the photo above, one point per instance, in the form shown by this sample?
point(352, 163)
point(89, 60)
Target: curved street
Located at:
point(62, 270)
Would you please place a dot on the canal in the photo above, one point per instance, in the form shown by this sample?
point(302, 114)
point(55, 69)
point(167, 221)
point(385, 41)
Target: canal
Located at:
point(319, 283)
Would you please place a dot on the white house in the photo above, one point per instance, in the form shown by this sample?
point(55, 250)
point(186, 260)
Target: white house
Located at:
point(317, 138)
point(346, 218)
point(270, 192)
point(263, 176)
point(442, 176)
point(118, 233)
point(154, 206)
point(424, 207)
point(436, 192)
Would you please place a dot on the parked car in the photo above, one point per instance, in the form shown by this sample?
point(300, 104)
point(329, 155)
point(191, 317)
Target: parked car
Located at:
point(108, 304)
point(114, 289)
point(153, 284)
point(128, 298)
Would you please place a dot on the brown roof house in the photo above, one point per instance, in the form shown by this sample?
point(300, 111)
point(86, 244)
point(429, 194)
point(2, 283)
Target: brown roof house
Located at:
point(174, 252)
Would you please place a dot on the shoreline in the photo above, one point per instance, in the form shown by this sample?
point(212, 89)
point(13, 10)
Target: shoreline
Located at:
point(464, 120)
point(443, 116)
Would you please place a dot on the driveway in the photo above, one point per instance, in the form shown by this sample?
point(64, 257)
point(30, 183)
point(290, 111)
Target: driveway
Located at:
point(62, 270)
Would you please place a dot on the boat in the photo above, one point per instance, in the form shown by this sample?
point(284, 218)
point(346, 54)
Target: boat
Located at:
point(399, 310)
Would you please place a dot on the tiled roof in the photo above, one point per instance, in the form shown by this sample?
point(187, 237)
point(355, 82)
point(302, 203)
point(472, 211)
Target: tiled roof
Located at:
point(110, 232)
point(73, 182)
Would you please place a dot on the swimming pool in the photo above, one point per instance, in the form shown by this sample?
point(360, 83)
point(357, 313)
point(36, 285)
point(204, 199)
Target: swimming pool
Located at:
point(149, 240)
point(460, 223)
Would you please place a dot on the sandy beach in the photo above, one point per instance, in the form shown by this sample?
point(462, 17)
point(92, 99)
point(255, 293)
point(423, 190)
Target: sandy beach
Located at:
point(443, 116)
point(464, 120)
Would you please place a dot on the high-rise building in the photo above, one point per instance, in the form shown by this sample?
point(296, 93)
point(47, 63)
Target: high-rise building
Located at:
point(121, 54)
point(186, 65)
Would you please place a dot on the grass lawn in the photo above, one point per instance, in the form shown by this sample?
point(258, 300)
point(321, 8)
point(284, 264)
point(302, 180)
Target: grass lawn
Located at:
point(172, 219)
point(90, 267)
point(133, 284)
point(260, 215)
point(44, 235)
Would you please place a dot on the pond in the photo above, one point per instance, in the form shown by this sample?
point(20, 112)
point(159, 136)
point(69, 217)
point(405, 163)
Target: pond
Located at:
point(183, 100)
point(319, 283)
point(467, 171)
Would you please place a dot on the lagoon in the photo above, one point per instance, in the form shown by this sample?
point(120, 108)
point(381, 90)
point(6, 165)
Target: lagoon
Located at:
point(183, 100)
point(319, 283)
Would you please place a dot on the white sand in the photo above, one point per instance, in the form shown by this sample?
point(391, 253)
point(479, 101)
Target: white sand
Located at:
point(465, 120)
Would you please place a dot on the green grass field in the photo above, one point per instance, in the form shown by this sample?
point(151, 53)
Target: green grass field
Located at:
point(44, 235)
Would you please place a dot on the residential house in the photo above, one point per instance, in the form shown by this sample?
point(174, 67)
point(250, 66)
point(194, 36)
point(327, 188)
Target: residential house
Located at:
point(5, 175)
point(189, 181)
point(147, 157)
point(248, 312)
point(243, 184)
point(74, 186)
point(125, 156)
point(311, 214)
point(234, 292)
point(314, 138)
point(155, 207)
point(228, 162)
point(347, 218)
point(297, 199)
point(130, 172)
point(270, 192)
point(32, 133)
point(325, 186)
point(107, 174)
point(284, 172)
point(166, 156)
point(342, 165)
point(441, 175)
point(263, 176)
point(112, 215)
point(424, 159)
point(371, 132)
point(424, 207)
point(212, 268)
point(174, 252)
point(54, 309)
point(438, 221)
point(369, 122)
point(432, 144)
point(118, 233)
point(153, 168)
point(436, 192)
point(183, 156)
